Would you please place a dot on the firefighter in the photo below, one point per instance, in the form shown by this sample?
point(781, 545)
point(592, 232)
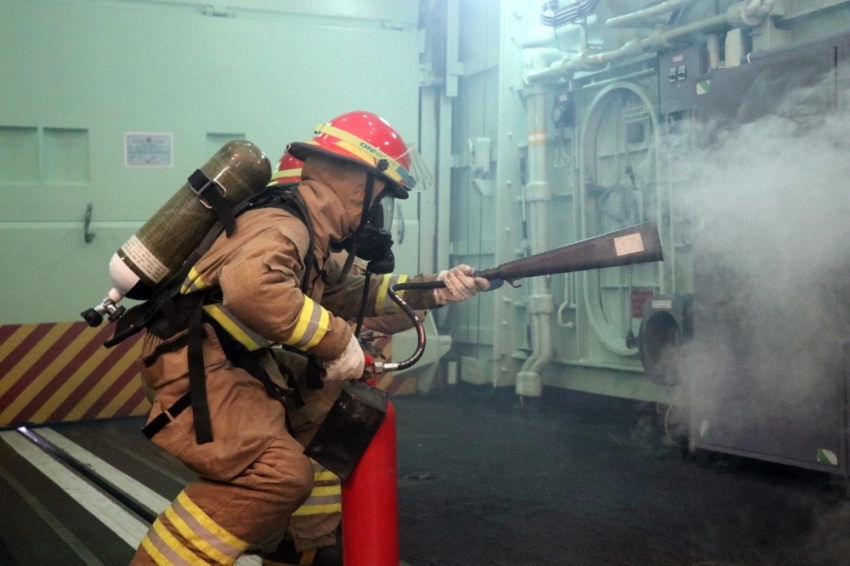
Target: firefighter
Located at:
point(272, 282)
point(313, 537)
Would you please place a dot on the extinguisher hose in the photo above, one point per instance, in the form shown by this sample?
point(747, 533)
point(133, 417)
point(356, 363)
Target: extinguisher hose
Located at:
point(490, 275)
point(417, 322)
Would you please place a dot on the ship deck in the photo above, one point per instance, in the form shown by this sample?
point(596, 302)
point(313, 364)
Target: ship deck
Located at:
point(578, 480)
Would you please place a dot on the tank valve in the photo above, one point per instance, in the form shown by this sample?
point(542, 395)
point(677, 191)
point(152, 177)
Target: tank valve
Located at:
point(94, 316)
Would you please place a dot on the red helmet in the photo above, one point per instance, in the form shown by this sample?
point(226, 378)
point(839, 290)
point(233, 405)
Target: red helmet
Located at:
point(288, 171)
point(367, 139)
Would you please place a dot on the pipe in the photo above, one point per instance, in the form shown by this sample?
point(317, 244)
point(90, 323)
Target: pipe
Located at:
point(541, 57)
point(640, 16)
point(540, 306)
point(87, 472)
point(754, 12)
point(713, 46)
point(542, 36)
point(765, 53)
point(747, 13)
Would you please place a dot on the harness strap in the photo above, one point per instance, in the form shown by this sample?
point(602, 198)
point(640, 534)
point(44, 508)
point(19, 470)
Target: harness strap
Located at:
point(196, 397)
point(197, 379)
point(165, 348)
point(290, 382)
point(158, 423)
point(168, 311)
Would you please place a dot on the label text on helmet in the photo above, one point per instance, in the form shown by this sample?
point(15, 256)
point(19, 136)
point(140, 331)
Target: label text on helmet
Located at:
point(373, 150)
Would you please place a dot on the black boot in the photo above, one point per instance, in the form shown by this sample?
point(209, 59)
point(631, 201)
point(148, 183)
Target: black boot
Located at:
point(329, 555)
point(286, 555)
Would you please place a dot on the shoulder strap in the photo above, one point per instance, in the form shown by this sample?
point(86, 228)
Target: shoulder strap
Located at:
point(141, 315)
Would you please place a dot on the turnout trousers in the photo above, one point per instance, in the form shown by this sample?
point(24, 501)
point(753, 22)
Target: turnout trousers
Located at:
point(316, 523)
point(252, 476)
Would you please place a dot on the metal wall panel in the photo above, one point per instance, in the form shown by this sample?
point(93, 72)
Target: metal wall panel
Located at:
point(86, 73)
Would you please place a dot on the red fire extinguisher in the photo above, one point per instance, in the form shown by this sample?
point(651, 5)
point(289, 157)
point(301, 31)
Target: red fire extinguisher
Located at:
point(370, 503)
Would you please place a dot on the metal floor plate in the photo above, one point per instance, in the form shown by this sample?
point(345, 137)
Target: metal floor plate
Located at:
point(582, 480)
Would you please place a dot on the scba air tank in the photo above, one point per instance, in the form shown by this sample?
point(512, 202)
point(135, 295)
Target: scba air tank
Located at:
point(162, 245)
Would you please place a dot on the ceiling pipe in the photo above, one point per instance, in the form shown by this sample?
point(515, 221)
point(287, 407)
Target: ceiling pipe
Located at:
point(641, 16)
point(748, 13)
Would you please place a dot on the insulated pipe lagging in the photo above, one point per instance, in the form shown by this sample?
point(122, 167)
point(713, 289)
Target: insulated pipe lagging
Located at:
point(748, 13)
point(640, 16)
point(546, 350)
point(754, 12)
point(538, 195)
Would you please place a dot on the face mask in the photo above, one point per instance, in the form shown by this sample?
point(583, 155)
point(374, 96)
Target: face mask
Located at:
point(372, 240)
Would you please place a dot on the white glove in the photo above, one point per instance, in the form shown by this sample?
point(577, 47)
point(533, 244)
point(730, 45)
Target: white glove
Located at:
point(460, 285)
point(349, 365)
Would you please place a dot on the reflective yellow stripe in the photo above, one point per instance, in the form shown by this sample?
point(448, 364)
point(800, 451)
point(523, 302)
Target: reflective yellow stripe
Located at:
point(322, 474)
point(175, 545)
point(363, 154)
point(381, 297)
point(154, 553)
point(325, 490)
point(303, 324)
point(395, 171)
point(324, 499)
point(250, 340)
point(211, 525)
point(390, 172)
point(313, 323)
point(197, 540)
point(287, 173)
point(383, 303)
point(327, 475)
point(318, 509)
point(193, 282)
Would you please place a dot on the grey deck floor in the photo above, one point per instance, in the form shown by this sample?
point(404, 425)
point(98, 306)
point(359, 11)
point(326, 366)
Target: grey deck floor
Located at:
point(588, 480)
point(580, 480)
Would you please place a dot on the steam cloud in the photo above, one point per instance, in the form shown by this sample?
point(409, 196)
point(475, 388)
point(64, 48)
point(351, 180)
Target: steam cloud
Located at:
point(769, 204)
point(767, 201)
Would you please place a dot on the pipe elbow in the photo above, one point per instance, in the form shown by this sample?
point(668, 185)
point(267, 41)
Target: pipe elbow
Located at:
point(749, 13)
point(658, 40)
point(541, 63)
point(540, 58)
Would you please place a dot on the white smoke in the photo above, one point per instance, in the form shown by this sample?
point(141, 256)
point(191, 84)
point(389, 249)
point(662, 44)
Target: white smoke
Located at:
point(769, 203)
